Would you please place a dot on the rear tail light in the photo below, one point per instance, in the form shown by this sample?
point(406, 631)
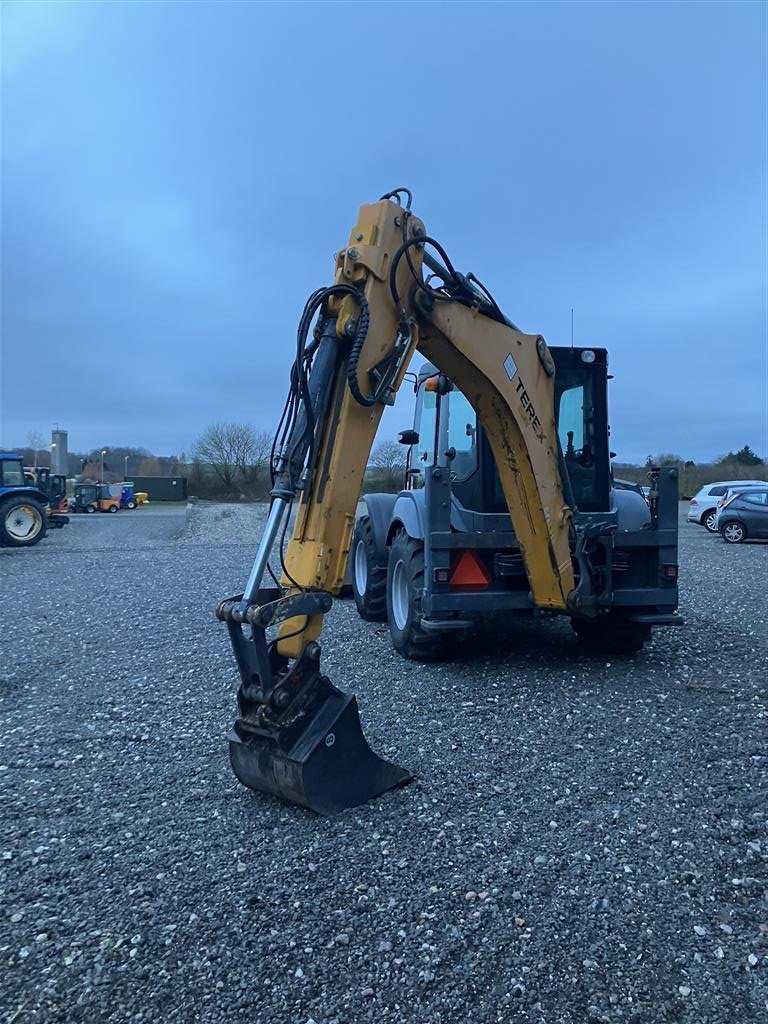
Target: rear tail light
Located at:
point(721, 503)
point(669, 571)
point(694, 502)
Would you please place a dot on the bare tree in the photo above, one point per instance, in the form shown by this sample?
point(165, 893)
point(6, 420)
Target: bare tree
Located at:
point(262, 448)
point(230, 449)
point(260, 456)
point(242, 439)
point(149, 467)
point(179, 464)
point(36, 442)
point(388, 460)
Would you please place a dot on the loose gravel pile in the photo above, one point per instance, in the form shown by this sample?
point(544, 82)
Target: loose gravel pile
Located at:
point(585, 841)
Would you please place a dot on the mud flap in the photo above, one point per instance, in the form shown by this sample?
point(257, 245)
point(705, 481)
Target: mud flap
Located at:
point(322, 762)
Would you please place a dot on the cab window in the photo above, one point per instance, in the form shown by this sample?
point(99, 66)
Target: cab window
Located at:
point(462, 434)
point(12, 473)
point(576, 430)
point(571, 420)
point(423, 454)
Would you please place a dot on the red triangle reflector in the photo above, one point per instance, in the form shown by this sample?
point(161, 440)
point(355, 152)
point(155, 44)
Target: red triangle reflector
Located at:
point(469, 571)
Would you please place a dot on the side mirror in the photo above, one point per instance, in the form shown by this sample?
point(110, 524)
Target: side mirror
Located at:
point(408, 437)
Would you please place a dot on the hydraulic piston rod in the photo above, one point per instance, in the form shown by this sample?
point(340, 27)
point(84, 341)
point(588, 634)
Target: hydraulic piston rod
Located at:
point(277, 511)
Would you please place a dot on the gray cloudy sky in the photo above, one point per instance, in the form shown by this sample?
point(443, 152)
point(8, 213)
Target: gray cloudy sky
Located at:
point(177, 176)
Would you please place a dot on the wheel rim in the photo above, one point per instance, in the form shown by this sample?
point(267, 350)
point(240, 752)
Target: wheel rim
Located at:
point(23, 522)
point(400, 600)
point(733, 532)
point(709, 521)
point(361, 568)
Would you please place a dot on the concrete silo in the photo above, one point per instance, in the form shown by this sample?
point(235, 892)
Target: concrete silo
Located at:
point(59, 451)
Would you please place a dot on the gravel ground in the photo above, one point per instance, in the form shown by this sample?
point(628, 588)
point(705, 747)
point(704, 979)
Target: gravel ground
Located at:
point(586, 840)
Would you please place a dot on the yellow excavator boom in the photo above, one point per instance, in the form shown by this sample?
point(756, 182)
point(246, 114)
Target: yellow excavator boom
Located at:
point(297, 736)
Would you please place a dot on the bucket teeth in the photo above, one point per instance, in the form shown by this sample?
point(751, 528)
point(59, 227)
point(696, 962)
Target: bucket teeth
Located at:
point(322, 762)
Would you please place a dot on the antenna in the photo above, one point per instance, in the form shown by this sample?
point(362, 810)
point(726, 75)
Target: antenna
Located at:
point(571, 326)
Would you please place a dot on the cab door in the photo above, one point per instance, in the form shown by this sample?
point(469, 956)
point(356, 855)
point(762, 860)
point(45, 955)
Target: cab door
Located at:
point(421, 455)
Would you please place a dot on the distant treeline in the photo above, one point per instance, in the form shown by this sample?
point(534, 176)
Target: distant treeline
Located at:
point(87, 465)
point(741, 465)
point(230, 461)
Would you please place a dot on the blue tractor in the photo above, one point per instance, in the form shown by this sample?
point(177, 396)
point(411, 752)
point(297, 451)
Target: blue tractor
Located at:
point(128, 495)
point(23, 516)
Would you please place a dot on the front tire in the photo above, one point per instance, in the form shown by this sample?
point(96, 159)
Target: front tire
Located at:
point(113, 508)
point(709, 520)
point(405, 583)
point(613, 635)
point(369, 579)
point(131, 505)
point(733, 533)
point(23, 522)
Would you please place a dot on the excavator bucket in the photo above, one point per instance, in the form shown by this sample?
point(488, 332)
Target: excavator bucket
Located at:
point(297, 736)
point(322, 762)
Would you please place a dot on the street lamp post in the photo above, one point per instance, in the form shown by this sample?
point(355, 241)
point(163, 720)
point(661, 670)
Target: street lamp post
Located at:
point(53, 453)
point(125, 467)
point(103, 453)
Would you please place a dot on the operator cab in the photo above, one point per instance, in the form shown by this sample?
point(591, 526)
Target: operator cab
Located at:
point(448, 433)
point(57, 492)
point(96, 498)
point(12, 472)
point(40, 477)
point(53, 485)
point(86, 496)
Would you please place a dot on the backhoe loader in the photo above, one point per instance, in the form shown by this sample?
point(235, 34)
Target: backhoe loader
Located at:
point(455, 532)
point(297, 736)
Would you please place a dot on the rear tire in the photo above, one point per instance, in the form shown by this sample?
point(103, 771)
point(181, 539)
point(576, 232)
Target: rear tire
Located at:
point(113, 508)
point(369, 579)
point(131, 505)
point(611, 635)
point(709, 520)
point(90, 508)
point(23, 522)
point(405, 582)
point(733, 533)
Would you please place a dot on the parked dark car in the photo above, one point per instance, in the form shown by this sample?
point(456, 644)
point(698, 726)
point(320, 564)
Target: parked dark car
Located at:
point(745, 516)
